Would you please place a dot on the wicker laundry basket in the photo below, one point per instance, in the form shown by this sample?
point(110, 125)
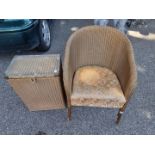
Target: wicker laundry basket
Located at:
point(37, 80)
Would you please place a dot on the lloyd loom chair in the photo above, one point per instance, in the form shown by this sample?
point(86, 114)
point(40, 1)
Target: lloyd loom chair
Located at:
point(99, 69)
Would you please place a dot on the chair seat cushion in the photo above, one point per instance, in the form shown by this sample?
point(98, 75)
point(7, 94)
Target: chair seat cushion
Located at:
point(96, 86)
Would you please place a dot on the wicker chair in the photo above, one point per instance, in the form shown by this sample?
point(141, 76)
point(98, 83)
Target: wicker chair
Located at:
point(102, 53)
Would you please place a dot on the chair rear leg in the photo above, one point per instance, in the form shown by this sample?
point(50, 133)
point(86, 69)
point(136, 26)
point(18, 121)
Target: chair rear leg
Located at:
point(69, 113)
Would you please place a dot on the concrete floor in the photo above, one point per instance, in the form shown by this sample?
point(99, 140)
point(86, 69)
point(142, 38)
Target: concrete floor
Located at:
point(139, 117)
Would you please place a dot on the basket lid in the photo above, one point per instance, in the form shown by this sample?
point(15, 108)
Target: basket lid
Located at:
point(34, 66)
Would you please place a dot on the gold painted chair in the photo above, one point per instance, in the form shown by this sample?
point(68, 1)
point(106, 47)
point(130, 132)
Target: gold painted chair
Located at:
point(99, 69)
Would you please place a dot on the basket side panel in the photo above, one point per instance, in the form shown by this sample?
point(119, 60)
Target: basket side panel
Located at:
point(39, 93)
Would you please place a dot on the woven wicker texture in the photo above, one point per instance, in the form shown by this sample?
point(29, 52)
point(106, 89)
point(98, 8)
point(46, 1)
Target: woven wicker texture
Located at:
point(39, 87)
point(42, 94)
point(34, 66)
point(100, 46)
point(98, 87)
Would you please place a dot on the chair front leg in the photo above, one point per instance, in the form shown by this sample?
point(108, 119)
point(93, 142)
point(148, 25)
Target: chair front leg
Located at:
point(69, 108)
point(120, 113)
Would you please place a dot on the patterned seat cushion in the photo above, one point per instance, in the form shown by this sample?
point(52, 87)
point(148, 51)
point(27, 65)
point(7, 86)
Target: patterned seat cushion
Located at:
point(96, 86)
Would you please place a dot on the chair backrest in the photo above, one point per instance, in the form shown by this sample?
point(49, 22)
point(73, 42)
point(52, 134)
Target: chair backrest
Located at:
point(95, 45)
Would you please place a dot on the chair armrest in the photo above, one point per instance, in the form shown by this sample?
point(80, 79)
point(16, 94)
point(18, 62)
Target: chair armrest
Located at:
point(68, 71)
point(125, 69)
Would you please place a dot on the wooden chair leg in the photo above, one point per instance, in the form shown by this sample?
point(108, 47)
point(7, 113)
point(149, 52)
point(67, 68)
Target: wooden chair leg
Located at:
point(120, 113)
point(69, 113)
